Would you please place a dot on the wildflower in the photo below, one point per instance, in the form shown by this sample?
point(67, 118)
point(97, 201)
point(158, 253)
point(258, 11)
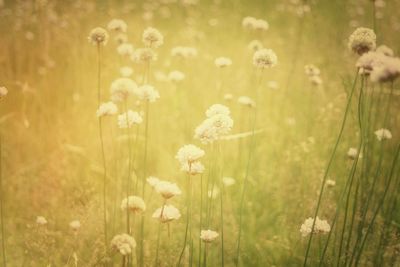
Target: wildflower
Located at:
point(98, 36)
point(126, 71)
point(176, 76)
point(144, 55)
point(321, 226)
point(222, 62)
point(123, 243)
point(125, 49)
point(383, 49)
point(208, 235)
point(193, 168)
point(75, 225)
point(352, 153)
point(167, 190)
point(362, 40)
point(213, 128)
point(121, 88)
point(246, 101)
point(152, 38)
point(249, 22)
point(153, 181)
point(388, 71)
point(370, 60)
point(40, 220)
point(383, 134)
point(134, 204)
point(117, 25)
point(217, 109)
point(261, 24)
point(330, 183)
point(315, 80)
point(265, 58)
point(128, 119)
point(255, 45)
point(107, 109)
point(148, 93)
point(188, 154)
point(3, 91)
point(228, 181)
point(167, 213)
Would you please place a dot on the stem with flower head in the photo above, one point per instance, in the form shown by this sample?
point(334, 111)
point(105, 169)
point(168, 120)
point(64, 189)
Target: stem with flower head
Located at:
point(246, 177)
point(348, 105)
point(3, 235)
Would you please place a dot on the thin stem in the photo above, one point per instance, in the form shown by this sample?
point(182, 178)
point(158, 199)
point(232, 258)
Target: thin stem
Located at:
point(3, 235)
point(188, 204)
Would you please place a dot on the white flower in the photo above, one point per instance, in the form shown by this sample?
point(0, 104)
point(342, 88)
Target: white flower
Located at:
point(217, 109)
point(189, 154)
point(153, 181)
point(213, 128)
point(152, 38)
point(222, 62)
point(261, 24)
point(383, 134)
point(246, 101)
point(125, 49)
point(134, 204)
point(321, 226)
point(228, 181)
point(352, 153)
point(123, 243)
point(148, 93)
point(117, 25)
point(362, 40)
point(121, 88)
point(3, 91)
point(369, 61)
point(176, 76)
point(107, 109)
point(249, 22)
point(330, 183)
point(388, 71)
point(40, 220)
point(265, 58)
point(167, 213)
point(208, 235)
point(167, 190)
point(193, 168)
point(75, 225)
point(126, 71)
point(383, 49)
point(128, 119)
point(98, 36)
point(255, 45)
point(144, 55)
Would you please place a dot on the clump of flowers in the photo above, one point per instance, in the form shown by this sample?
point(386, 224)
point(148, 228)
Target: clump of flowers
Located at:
point(264, 58)
point(152, 38)
point(383, 134)
point(123, 243)
point(167, 213)
point(134, 204)
point(321, 226)
point(352, 153)
point(369, 61)
point(208, 236)
point(128, 119)
point(362, 40)
point(107, 109)
point(98, 36)
point(252, 23)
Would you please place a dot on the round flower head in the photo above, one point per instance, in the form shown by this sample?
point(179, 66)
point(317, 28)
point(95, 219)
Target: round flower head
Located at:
point(148, 93)
point(246, 101)
point(193, 168)
point(152, 38)
point(153, 181)
point(117, 25)
point(362, 40)
point(75, 225)
point(388, 71)
point(123, 243)
point(249, 23)
point(217, 109)
point(228, 181)
point(144, 55)
point(125, 49)
point(222, 62)
point(367, 62)
point(265, 58)
point(189, 154)
point(167, 190)
point(128, 119)
point(330, 183)
point(385, 50)
point(208, 236)
point(311, 70)
point(213, 128)
point(121, 88)
point(255, 45)
point(261, 24)
point(3, 91)
point(352, 153)
point(383, 134)
point(107, 109)
point(176, 76)
point(134, 204)
point(98, 36)
point(40, 220)
point(166, 214)
point(321, 226)
point(126, 71)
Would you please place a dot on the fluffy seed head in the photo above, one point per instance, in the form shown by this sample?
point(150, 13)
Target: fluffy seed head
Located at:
point(98, 36)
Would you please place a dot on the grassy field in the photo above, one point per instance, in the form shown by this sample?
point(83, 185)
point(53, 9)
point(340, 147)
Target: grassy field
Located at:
point(255, 116)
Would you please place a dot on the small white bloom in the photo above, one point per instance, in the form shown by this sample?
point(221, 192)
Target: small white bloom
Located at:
point(122, 88)
point(128, 119)
point(107, 109)
point(176, 76)
point(125, 49)
point(117, 25)
point(126, 71)
point(153, 181)
point(246, 101)
point(166, 214)
point(362, 40)
point(189, 154)
point(167, 190)
point(383, 134)
point(330, 183)
point(98, 36)
point(193, 168)
point(123, 243)
point(222, 62)
point(40, 220)
point(147, 93)
point(152, 38)
point(135, 204)
point(208, 235)
point(321, 226)
point(3, 91)
point(217, 109)
point(144, 55)
point(228, 181)
point(75, 225)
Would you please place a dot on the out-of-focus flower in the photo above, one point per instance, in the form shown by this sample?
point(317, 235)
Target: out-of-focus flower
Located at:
point(125, 49)
point(134, 204)
point(148, 93)
point(40, 220)
point(98, 36)
point(166, 214)
point(265, 58)
point(246, 101)
point(128, 119)
point(321, 226)
point(167, 190)
point(208, 236)
point(117, 25)
point(222, 62)
point(3, 91)
point(122, 88)
point(152, 38)
point(383, 134)
point(123, 243)
point(176, 76)
point(107, 109)
point(75, 225)
point(362, 40)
